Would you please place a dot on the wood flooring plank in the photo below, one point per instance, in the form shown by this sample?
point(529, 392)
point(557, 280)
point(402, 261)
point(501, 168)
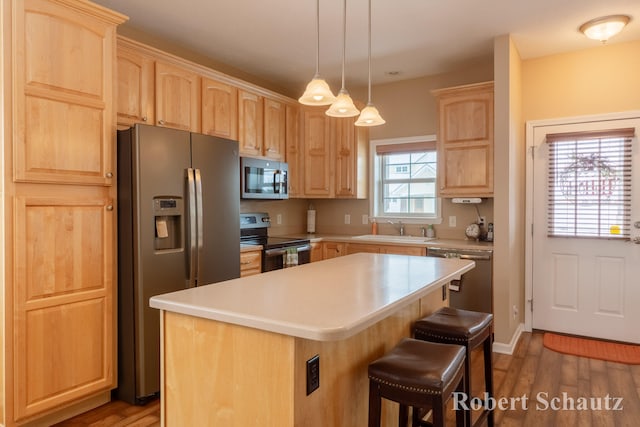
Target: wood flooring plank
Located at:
point(599, 388)
point(545, 387)
point(621, 385)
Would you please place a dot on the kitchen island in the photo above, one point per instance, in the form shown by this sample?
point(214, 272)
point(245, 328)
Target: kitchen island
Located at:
point(235, 353)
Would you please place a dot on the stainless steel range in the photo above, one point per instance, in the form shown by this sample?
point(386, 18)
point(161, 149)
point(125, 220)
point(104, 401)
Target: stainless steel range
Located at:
point(277, 252)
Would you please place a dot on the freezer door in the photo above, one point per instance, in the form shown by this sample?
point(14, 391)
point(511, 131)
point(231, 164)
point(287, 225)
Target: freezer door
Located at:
point(218, 164)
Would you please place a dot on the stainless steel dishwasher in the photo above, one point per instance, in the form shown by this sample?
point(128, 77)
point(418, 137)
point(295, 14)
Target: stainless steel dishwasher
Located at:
point(474, 291)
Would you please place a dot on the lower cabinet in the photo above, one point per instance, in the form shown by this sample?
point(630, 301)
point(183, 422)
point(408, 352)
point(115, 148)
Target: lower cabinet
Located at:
point(353, 248)
point(250, 263)
point(316, 251)
point(332, 250)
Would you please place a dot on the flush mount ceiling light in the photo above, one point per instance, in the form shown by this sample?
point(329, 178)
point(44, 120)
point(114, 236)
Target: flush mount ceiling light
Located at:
point(604, 28)
point(343, 106)
point(317, 91)
point(370, 115)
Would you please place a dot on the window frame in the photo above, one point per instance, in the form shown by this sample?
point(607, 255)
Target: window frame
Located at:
point(375, 189)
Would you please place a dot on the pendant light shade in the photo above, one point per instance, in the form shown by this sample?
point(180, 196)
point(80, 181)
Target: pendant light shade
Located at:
point(370, 115)
point(317, 91)
point(343, 106)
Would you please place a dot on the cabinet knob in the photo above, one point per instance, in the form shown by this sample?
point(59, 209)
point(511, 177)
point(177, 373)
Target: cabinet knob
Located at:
point(271, 150)
point(161, 122)
point(144, 119)
point(109, 175)
point(109, 208)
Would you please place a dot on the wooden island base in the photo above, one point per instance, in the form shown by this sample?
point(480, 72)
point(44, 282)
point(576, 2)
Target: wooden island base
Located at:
point(221, 374)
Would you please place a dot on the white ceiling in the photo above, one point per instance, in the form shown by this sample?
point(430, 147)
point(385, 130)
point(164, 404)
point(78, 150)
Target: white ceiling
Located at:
point(276, 39)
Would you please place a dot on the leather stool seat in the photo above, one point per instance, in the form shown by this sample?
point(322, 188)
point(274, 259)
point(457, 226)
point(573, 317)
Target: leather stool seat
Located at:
point(470, 329)
point(417, 373)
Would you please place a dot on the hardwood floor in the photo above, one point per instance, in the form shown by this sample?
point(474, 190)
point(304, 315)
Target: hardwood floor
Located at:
point(532, 371)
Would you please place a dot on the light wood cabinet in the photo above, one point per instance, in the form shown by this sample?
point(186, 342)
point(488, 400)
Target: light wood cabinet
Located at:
point(465, 140)
point(317, 156)
point(219, 109)
point(59, 336)
point(135, 85)
point(250, 123)
point(275, 115)
point(353, 248)
point(332, 250)
point(177, 97)
point(350, 148)
point(293, 152)
point(334, 156)
point(250, 263)
point(316, 252)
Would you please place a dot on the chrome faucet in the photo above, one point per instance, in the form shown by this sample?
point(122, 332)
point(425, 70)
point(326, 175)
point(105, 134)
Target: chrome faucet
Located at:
point(401, 229)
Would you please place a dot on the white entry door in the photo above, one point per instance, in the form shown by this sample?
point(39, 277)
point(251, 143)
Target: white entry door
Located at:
point(584, 284)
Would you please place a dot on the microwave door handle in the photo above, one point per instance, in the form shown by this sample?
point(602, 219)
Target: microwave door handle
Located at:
point(199, 226)
point(276, 182)
point(191, 207)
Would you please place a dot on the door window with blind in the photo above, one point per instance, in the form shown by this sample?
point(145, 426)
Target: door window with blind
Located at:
point(405, 180)
point(589, 184)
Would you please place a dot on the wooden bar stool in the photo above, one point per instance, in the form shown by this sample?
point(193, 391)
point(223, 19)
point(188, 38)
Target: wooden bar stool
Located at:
point(419, 374)
point(469, 329)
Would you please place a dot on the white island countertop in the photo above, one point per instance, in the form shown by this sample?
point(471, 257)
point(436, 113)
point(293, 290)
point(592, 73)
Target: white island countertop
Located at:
point(323, 301)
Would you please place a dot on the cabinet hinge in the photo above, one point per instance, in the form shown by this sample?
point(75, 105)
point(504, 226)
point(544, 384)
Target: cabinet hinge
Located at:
point(531, 151)
point(530, 301)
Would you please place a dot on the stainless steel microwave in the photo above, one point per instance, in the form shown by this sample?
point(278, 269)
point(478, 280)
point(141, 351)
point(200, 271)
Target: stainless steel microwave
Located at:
point(263, 179)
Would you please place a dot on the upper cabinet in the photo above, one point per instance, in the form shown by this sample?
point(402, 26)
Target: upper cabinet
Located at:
point(334, 156)
point(62, 86)
point(261, 126)
point(292, 151)
point(177, 97)
point(135, 85)
point(274, 129)
point(219, 109)
point(465, 140)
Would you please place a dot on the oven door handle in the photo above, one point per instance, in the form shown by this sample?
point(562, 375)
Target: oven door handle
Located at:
point(282, 251)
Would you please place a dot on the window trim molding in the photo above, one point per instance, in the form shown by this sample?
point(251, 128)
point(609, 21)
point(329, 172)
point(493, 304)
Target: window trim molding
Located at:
point(374, 179)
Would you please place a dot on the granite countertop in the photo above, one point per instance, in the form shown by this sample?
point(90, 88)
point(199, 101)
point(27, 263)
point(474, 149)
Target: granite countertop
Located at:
point(323, 301)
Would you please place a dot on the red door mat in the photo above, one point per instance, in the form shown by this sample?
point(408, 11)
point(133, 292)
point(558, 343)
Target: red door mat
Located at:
point(595, 349)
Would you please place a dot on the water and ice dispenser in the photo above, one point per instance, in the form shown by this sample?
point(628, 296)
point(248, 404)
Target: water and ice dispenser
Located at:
point(168, 213)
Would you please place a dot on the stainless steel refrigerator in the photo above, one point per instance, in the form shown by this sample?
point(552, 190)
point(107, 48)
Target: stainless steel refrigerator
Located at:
point(178, 227)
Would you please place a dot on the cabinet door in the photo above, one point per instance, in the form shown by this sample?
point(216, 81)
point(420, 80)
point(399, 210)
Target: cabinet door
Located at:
point(177, 97)
point(274, 129)
point(465, 141)
point(332, 250)
point(63, 306)
point(250, 123)
point(317, 154)
point(250, 263)
point(219, 109)
point(403, 250)
point(354, 248)
point(63, 99)
point(135, 88)
point(293, 154)
point(316, 252)
point(351, 143)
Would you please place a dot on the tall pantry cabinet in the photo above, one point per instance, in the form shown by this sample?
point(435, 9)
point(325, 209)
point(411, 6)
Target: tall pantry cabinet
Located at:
point(58, 192)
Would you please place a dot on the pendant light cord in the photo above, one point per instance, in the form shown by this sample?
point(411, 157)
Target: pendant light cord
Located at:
point(369, 97)
point(318, 37)
point(344, 40)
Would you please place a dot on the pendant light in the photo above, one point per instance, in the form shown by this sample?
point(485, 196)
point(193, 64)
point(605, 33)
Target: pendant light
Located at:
point(370, 115)
point(343, 106)
point(317, 91)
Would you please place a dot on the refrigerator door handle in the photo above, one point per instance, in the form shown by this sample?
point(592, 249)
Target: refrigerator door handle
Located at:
point(191, 206)
point(199, 222)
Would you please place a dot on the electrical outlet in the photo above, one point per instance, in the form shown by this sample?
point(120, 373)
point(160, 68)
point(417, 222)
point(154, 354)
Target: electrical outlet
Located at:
point(313, 374)
point(365, 219)
point(347, 219)
point(482, 221)
point(452, 221)
point(279, 219)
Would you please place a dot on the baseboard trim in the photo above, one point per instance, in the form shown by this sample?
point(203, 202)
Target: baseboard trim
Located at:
point(509, 348)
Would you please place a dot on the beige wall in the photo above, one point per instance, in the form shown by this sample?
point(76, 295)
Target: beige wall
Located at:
point(603, 79)
point(509, 195)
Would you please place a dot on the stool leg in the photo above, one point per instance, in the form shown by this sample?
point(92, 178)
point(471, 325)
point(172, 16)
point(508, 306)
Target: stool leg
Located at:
point(438, 412)
point(467, 382)
point(403, 415)
point(461, 413)
point(488, 375)
point(374, 404)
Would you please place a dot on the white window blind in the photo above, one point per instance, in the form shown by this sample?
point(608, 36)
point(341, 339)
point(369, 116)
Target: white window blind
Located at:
point(589, 184)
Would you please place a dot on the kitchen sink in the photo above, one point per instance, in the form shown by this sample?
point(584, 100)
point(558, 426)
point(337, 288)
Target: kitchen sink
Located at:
point(394, 239)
